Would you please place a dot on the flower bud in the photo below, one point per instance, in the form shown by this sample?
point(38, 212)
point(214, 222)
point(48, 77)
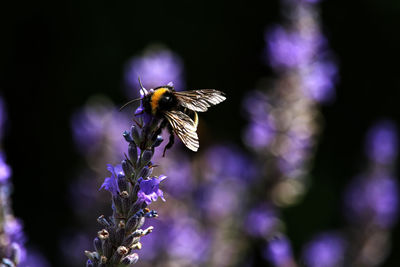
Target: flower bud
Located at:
point(130, 259)
point(127, 136)
point(135, 132)
point(133, 153)
point(146, 157)
point(97, 245)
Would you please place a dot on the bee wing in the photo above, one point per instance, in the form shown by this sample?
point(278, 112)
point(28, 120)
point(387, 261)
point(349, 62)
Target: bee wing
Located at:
point(200, 100)
point(184, 128)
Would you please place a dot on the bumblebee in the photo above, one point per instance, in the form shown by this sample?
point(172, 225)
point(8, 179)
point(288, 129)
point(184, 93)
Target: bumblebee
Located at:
point(175, 108)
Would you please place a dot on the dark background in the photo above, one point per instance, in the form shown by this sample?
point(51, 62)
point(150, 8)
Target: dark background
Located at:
point(55, 55)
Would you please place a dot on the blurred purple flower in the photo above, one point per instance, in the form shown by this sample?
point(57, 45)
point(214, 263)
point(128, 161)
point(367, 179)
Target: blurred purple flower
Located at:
point(220, 198)
point(373, 198)
point(155, 68)
point(98, 127)
point(279, 252)
point(188, 242)
point(305, 51)
point(111, 183)
point(261, 129)
point(5, 170)
point(256, 104)
point(259, 134)
point(296, 150)
point(14, 229)
point(325, 250)
point(149, 189)
point(179, 167)
point(381, 144)
point(319, 82)
point(261, 221)
point(288, 49)
point(228, 162)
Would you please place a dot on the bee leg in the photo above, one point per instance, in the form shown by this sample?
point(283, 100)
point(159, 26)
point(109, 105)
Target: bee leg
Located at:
point(171, 139)
point(163, 124)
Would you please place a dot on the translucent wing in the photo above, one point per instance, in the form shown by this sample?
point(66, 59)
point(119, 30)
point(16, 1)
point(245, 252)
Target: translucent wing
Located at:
point(184, 128)
point(200, 100)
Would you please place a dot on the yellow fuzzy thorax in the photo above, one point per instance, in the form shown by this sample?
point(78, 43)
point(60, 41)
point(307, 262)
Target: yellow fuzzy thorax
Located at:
point(155, 98)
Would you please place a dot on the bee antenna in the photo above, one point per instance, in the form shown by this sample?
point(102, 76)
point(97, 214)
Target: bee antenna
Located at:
point(140, 83)
point(143, 90)
point(128, 103)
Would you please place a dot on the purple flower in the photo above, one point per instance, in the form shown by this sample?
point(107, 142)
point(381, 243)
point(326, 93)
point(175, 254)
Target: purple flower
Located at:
point(261, 221)
point(381, 144)
point(5, 170)
point(279, 252)
point(373, 199)
point(111, 183)
point(156, 67)
point(149, 189)
point(325, 250)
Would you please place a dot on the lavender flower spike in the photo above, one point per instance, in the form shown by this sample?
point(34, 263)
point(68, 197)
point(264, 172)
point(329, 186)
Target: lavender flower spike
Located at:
point(132, 188)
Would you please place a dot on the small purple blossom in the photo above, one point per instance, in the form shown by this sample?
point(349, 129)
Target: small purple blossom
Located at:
point(382, 143)
point(149, 189)
point(325, 250)
point(111, 183)
point(155, 67)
